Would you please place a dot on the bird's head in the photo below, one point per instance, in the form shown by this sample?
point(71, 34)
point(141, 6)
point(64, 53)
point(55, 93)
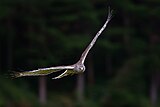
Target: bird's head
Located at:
point(79, 68)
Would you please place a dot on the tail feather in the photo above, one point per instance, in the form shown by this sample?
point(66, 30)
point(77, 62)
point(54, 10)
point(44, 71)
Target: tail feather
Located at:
point(15, 74)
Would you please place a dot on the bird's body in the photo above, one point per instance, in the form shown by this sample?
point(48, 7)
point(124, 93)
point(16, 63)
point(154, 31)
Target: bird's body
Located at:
point(70, 69)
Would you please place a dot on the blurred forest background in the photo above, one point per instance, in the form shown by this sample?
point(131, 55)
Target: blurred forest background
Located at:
point(122, 69)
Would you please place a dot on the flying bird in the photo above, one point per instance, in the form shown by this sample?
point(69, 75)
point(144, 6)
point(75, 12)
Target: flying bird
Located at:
point(76, 68)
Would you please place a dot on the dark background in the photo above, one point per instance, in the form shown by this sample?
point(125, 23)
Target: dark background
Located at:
point(122, 69)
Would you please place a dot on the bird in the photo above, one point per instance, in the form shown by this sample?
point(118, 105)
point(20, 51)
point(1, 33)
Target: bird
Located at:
point(76, 68)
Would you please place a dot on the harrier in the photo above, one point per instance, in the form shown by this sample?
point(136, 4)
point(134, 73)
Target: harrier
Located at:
point(70, 69)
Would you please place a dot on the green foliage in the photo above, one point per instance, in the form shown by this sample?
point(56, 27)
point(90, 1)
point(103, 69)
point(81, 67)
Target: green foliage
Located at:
point(12, 93)
point(38, 33)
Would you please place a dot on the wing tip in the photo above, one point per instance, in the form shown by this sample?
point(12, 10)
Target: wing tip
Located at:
point(110, 13)
point(54, 78)
point(61, 75)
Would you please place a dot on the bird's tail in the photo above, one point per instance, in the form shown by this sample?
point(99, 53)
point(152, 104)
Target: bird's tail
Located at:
point(15, 74)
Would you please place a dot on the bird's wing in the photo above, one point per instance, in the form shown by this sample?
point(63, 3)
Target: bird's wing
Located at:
point(42, 71)
point(65, 73)
point(84, 54)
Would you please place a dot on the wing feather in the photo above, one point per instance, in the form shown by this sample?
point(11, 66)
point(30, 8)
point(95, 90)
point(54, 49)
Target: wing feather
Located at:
point(41, 71)
point(65, 73)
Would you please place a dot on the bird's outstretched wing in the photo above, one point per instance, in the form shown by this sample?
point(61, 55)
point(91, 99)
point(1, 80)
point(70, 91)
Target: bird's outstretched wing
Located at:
point(65, 73)
point(84, 54)
point(42, 71)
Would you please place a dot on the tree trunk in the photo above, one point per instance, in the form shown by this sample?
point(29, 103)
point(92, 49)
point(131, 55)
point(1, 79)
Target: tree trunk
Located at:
point(154, 72)
point(9, 44)
point(90, 71)
point(43, 79)
point(80, 88)
point(153, 90)
point(127, 35)
point(108, 64)
point(42, 90)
